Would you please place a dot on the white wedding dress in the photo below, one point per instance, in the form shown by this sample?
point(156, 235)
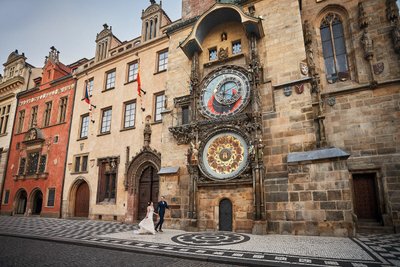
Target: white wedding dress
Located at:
point(147, 224)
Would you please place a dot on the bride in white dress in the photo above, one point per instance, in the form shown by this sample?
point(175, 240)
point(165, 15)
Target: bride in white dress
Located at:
point(147, 224)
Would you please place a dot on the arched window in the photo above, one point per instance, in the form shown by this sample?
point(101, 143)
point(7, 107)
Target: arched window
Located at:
point(334, 49)
point(151, 30)
point(146, 31)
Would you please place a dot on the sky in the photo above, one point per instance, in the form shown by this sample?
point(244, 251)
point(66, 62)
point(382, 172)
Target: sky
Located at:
point(33, 26)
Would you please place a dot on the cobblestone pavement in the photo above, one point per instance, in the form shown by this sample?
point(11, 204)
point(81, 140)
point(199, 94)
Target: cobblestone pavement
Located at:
point(245, 249)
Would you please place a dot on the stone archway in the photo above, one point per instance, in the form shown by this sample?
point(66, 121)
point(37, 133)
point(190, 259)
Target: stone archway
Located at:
point(79, 199)
point(21, 200)
point(149, 185)
point(147, 163)
point(36, 202)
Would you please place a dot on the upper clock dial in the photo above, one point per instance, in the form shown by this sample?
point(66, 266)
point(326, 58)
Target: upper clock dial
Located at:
point(225, 92)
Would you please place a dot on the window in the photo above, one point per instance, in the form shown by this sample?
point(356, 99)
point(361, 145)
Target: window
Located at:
point(62, 109)
point(33, 121)
point(4, 115)
point(42, 164)
point(236, 47)
point(84, 126)
point(89, 87)
point(6, 197)
point(110, 80)
point(162, 61)
point(212, 53)
point(107, 180)
point(47, 113)
point(11, 72)
point(51, 193)
point(185, 114)
point(33, 163)
point(159, 106)
point(21, 118)
point(133, 69)
point(106, 121)
point(81, 163)
point(334, 49)
point(129, 115)
point(22, 163)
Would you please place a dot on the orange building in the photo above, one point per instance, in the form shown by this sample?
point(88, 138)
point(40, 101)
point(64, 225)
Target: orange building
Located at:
point(35, 170)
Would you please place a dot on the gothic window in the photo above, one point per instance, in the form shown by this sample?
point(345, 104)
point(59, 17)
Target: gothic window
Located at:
point(110, 79)
point(162, 61)
point(34, 113)
point(159, 106)
point(89, 87)
point(42, 164)
point(4, 115)
point(22, 163)
point(236, 47)
point(21, 118)
point(147, 29)
point(129, 114)
point(213, 55)
point(107, 180)
point(151, 29)
point(84, 126)
point(51, 192)
point(47, 113)
point(62, 109)
point(133, 69)
point(334, 49)
point(185, 115)
point(106, 121)
point(33, 163)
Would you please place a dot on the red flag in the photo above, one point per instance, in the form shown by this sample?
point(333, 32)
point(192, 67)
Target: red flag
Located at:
point(139, 85)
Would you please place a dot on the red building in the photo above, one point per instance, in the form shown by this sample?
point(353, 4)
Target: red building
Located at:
point(35, 170)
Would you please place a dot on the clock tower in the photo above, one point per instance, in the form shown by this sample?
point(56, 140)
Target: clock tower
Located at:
point(225, 131)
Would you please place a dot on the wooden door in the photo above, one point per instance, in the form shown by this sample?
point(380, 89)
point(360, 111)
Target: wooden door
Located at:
point(225, 215)
point(365, 197)
point(148, 190)
point(21, 204)
point(82, 200)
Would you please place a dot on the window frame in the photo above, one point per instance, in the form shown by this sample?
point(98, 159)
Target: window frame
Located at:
point(79, 161)
point(107, 192)
point(21, 120)
point(113, 79)
point(135, 72)
point(156, 108)
point(48, 197)
point(233, 45)
point(83, 116)
point(210, 50)
point(62, 109)
point(89, 82)
point(47, 113)
point(124, 127)
point(6, 198)
point(4, 118)
point(164, 66)
point(103, 111)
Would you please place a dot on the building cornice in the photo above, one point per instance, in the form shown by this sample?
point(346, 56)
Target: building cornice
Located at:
point(10, 86)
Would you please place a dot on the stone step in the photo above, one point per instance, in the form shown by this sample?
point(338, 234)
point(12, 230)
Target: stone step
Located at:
point(375, 229)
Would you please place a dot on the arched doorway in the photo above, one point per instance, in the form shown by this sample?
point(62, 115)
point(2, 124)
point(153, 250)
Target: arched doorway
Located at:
point(148, 189)
point(82, 200)
point(21, 201)
point(225, 215)
point(37, 201)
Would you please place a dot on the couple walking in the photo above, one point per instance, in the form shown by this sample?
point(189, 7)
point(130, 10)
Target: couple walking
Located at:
point(147, 224)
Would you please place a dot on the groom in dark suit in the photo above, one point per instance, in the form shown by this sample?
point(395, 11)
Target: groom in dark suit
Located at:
point(161, 206)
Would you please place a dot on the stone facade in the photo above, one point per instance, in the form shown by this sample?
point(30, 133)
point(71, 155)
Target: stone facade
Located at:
point(36, 165)
point(18, 75)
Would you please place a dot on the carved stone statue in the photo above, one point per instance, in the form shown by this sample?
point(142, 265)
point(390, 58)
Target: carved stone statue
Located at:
point(195, 152)
point(396, 38)
point(223, 53)
point(367, 43)
point(32, 134)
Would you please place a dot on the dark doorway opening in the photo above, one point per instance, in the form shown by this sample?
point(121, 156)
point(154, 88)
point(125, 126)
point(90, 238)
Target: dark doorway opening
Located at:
point(148, 190)
point(21, 202)
point(366, 201)
point(225, 215)
point(37, 202)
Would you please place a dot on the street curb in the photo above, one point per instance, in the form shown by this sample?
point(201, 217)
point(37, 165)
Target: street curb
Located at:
point(118, 247)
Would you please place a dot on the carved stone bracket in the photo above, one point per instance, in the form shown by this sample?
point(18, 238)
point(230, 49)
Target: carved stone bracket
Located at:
point(183, 134)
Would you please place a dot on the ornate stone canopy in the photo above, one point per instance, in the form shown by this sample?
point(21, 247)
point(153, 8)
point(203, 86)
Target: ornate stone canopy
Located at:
point(218, 14)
